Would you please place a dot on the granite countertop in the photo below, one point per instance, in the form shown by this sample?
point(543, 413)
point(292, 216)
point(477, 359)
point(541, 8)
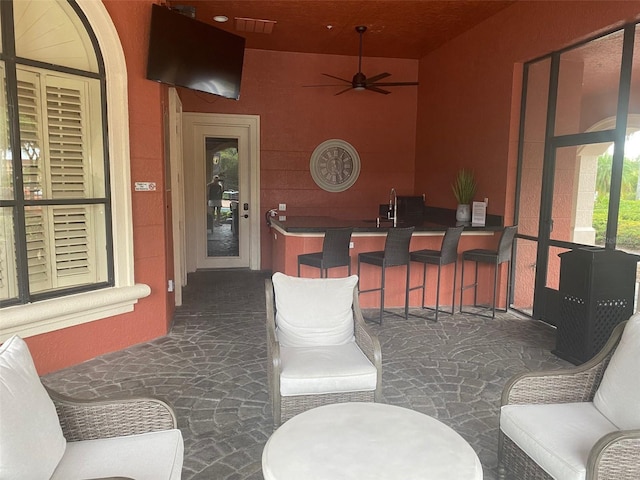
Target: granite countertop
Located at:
point(435, 221)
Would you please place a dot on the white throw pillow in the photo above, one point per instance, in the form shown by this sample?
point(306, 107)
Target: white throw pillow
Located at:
point(314, 311)
point(618, 397)
point(31, 440)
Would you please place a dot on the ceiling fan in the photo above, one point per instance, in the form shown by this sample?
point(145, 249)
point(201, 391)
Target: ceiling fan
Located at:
point(360, 81)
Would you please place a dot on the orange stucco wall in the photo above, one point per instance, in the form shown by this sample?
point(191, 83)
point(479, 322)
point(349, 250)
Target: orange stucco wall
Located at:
point(294, 119)
point(463, 114)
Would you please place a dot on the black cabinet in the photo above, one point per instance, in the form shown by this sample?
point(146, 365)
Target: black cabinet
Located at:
point(597, 289)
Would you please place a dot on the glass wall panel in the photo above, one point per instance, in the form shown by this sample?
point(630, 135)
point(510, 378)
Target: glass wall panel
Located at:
point(523, 282)
point(553, 267)
point(581, 194)
point(533, 147)
point(634, 97)
point(588, 84)
point(8, 275)
point(628, 234)
point(628, 238)
point(6, 165)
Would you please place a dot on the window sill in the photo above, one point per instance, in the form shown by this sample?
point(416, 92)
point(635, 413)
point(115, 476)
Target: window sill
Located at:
point(57, 313)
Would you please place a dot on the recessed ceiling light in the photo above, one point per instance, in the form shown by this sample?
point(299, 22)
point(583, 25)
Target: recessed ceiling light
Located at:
point(221, 18)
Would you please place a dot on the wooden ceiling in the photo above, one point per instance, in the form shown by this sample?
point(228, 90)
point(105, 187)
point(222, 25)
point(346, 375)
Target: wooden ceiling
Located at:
point(395, 28)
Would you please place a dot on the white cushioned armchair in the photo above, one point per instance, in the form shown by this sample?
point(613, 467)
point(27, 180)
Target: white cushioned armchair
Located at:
point(44, 435)
point(581, 423)
point(319, 349)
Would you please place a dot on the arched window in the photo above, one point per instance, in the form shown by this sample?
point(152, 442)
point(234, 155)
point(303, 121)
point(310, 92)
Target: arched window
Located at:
point(64, 260)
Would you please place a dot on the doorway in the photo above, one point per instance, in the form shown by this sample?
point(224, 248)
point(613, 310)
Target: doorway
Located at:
point(222, 169)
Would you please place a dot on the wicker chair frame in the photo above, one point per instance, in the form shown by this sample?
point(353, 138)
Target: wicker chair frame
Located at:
point(93, 419)
point(285, 407)
point(614, 456)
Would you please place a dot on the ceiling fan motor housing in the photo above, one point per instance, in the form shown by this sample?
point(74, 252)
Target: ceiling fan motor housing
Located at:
point(359, 81)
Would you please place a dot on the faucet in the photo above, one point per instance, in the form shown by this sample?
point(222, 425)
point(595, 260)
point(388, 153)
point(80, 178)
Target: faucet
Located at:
point(393, 206)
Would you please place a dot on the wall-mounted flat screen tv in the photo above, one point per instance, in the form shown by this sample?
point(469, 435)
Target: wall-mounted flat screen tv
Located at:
point(187, 53)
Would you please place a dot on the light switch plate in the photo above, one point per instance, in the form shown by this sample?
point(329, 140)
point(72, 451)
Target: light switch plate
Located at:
point(282, 207)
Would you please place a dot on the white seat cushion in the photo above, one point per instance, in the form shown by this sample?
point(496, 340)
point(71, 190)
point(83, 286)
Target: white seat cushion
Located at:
point(314, 311)
point(618, 396)
point(31, 439)
point(558, 437)
point(325, 369)
point(149, 456)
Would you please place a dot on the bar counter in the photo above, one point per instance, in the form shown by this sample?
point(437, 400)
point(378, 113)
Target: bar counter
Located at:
point(296, 235)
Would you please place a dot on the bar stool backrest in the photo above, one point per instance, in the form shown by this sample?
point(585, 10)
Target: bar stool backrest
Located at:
point(449, 249)
point(335, 247)
point(505, 244)
point(396, 246)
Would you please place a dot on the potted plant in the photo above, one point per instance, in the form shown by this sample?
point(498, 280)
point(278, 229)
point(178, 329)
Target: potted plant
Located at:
point(464, 188)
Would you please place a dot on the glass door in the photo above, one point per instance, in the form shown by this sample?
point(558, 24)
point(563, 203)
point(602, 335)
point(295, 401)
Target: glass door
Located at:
point(223, 194)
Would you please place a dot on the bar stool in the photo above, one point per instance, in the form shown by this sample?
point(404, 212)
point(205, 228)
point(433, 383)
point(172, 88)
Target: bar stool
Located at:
point(335, 252)
point(447, 255)
point(396, 252)
point(495, 257)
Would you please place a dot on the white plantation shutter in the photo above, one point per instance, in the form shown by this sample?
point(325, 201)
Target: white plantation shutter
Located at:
point(30, 132)
point(37, 249)
point(66, 154)
point(55, 139)
point(68, 169)
point(33, 170)
point(73, 257)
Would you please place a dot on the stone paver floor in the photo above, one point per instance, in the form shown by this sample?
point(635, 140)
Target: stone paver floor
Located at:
point(212, 369)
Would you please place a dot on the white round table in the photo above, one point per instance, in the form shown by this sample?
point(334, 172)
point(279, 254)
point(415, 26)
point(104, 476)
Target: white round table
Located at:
point(357, 441)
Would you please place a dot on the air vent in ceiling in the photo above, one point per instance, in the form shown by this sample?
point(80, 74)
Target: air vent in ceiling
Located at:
point(254, 25)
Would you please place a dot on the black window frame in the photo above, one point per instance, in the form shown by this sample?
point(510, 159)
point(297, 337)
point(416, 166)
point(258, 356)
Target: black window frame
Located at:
point(11, 61)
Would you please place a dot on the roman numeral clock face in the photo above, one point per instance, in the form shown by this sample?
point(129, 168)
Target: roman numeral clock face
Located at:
point(335, 165)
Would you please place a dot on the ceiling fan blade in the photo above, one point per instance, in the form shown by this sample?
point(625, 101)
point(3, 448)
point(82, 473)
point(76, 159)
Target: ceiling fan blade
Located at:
point(380, 76)
point(326, 85)
point(377, 90)
point(395, 84)
point(337, 78)
point(343, 91)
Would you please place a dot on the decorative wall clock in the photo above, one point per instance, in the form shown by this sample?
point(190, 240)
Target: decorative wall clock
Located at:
point(335, 165)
